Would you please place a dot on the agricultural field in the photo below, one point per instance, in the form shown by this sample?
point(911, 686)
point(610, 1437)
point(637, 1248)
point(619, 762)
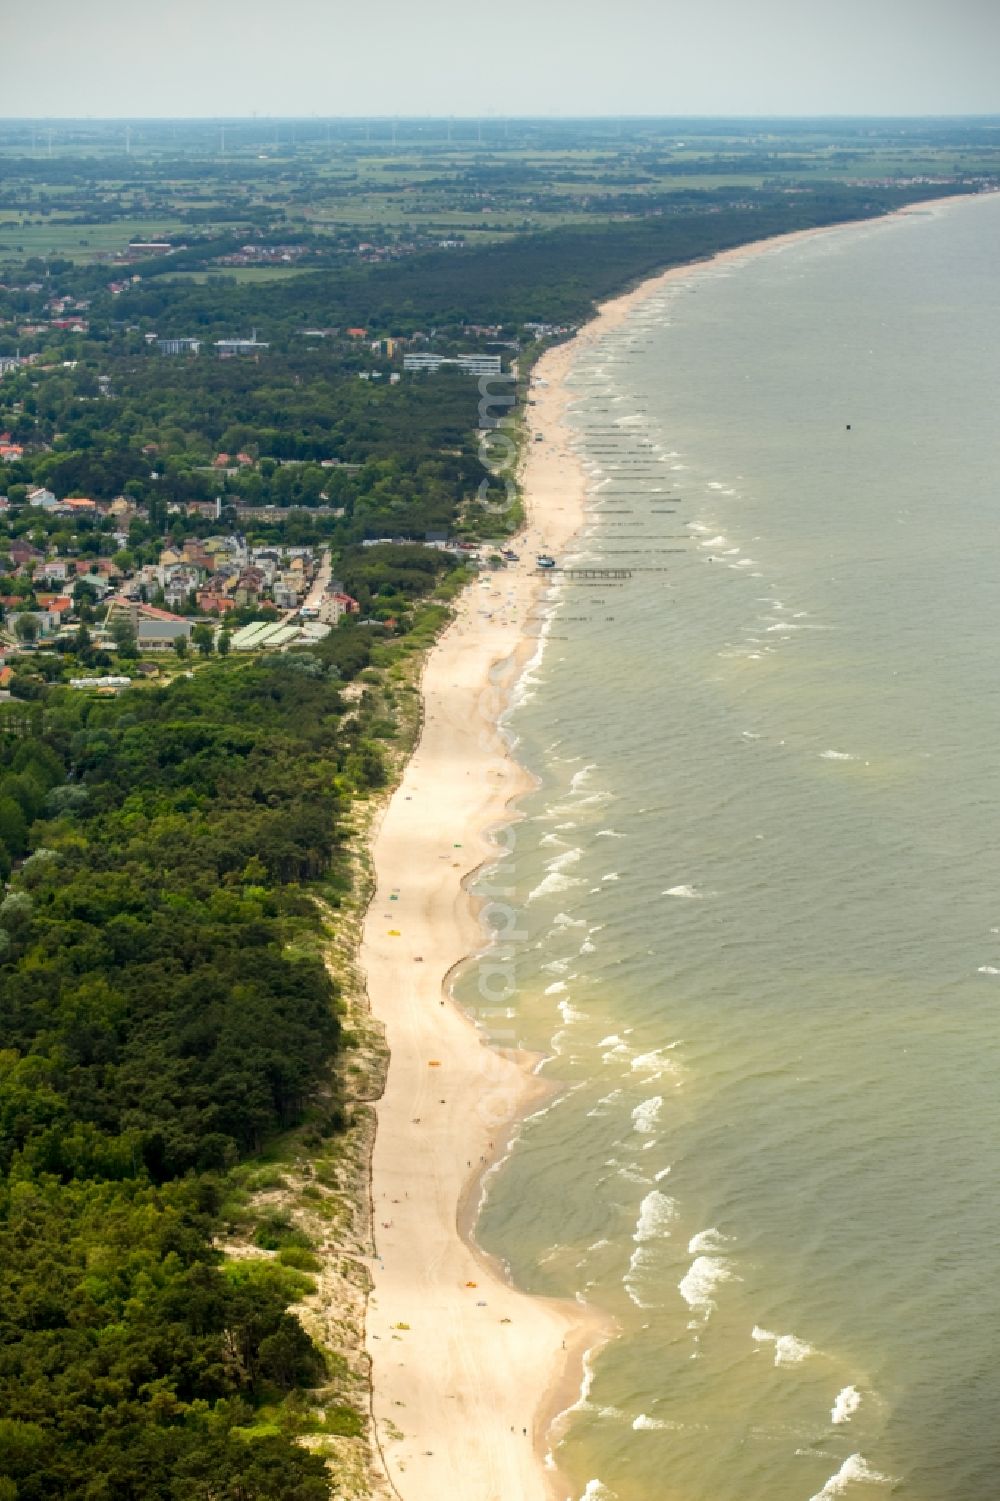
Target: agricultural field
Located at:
point(83, 190)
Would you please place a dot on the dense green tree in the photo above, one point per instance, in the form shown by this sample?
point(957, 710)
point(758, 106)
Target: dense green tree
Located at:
point(13, 825)
point(203, 637)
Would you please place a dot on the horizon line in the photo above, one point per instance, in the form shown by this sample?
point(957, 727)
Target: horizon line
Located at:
point(491, 116)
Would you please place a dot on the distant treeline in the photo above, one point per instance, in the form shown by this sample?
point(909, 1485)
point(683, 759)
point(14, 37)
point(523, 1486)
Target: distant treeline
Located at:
point(556, 276)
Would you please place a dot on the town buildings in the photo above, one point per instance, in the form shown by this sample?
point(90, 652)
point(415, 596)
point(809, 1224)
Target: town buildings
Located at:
point(472, 364)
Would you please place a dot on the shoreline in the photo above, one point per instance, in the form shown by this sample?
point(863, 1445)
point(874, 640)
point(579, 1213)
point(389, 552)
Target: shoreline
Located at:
point(463, 1410)
point(495, 1370)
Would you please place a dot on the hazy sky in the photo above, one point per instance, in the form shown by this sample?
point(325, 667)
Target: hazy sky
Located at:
point(466, 57)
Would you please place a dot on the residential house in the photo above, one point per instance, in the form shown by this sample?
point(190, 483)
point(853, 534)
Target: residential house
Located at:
point(46, 621)
point(55, 604)
point(285, 595)
point(268, 563)
point(77, 506)
point(210, 509)
point(213, 602)
point(249, 587)
point(333, 607)
point(43, 498)
point(24, 556)
point(181, 584)
point(196, 555)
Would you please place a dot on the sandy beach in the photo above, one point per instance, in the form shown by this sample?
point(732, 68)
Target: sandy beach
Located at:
point(468, 1372)
point(465, 1390)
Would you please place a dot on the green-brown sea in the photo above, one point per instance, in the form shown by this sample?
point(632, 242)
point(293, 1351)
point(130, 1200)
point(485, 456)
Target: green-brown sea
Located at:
point(759, 882)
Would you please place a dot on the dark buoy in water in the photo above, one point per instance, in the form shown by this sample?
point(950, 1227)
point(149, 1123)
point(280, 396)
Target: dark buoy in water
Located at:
point(848, 427)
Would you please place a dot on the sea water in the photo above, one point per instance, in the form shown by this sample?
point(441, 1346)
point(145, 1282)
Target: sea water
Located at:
point(758, 886)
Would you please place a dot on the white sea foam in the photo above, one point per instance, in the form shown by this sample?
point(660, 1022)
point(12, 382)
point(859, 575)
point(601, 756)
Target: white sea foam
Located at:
point(587, 947)
point(788, 1350)
point(708, 1242)
point(690, 892)
point(988, 969)
point(847, 1403)
point(617, 1053)
point(605, 1103)
point(698, 1285)
point(657, 1213)
point(855, 1467)
point(556, 988)
point(581, 776)
point(640, 1263)
point(554, 882)
point(612, 875)
point(569, 1013)
point(646, 1115)
point(834, 755)
point(655, 1063)
point(595, 1491)
point(589, 801)
point(628, 1171)
point(608, 834)
point(645, 1424)
point(557, 966)
point(568, 857)
point(563, 920)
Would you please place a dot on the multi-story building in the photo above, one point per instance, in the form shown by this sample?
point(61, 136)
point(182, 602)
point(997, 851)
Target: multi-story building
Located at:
point(472, 364)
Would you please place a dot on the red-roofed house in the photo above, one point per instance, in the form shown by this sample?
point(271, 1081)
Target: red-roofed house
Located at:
point(333, 607)
point(212, 602)
point(56, 604)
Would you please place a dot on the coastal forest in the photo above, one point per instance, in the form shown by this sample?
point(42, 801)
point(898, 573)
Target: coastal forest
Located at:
point(179, 862)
